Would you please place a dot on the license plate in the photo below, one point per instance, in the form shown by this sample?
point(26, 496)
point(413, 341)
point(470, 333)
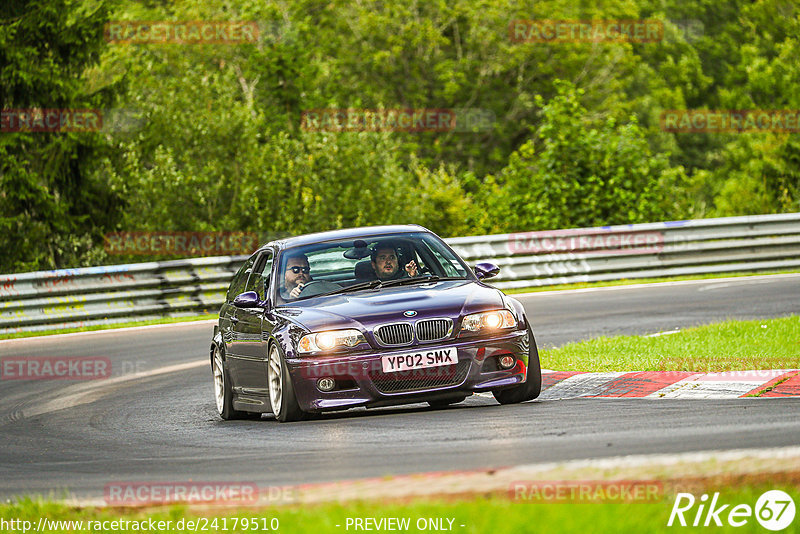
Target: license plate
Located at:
point(420, 359)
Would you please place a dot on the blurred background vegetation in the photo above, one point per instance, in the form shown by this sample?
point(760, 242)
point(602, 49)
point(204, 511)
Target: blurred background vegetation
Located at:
point(207, 137)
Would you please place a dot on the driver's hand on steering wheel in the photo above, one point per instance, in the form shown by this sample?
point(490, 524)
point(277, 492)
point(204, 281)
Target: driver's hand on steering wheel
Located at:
point(294, 293)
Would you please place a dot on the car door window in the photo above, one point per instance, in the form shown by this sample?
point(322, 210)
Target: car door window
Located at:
point(259, 277)
point(240, 278)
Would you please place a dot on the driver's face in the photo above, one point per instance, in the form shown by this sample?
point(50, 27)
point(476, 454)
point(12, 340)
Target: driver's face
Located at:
point(292, 279)
point(385, 263)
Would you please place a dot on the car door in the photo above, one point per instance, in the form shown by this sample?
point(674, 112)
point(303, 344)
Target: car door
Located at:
point(228, 316)
point(251, 356)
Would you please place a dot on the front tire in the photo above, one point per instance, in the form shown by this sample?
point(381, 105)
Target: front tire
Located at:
point(223, 389)
point(532, 386)
point(281, 390)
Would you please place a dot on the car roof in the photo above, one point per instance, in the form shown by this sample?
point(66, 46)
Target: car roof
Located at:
point(346, 233)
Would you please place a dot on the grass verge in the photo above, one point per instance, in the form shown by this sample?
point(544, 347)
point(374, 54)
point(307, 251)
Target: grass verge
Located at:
point(165, 320)
point(496, 514)
point(725, 346)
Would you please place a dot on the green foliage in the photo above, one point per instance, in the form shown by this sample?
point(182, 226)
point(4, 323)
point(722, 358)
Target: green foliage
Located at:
point(577, 172)
point(52, 210)
point(208, 137)
point(717, 347)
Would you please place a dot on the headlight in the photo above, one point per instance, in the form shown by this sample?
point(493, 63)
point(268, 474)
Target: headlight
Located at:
point(488, 321)
point(330, 340)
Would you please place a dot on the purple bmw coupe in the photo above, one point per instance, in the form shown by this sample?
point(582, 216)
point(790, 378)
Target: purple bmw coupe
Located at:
point(368, 317)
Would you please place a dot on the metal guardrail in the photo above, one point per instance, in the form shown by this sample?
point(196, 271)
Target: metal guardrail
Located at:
point(730, 244)
point(67, 298)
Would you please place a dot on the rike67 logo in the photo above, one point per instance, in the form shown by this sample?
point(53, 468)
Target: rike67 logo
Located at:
point(774, 510)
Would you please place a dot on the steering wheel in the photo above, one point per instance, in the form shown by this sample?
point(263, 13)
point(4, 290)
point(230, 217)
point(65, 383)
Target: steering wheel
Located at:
point(318, 287)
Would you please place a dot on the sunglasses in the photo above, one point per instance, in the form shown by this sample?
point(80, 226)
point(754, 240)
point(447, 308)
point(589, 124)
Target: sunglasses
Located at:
point(296, 269)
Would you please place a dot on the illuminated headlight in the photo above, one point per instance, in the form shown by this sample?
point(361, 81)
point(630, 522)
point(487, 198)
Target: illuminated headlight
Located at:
point(330, 340)
point(488, 321)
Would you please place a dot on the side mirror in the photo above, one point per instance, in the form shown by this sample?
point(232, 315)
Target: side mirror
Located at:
point(486, 270)
point(248, 299)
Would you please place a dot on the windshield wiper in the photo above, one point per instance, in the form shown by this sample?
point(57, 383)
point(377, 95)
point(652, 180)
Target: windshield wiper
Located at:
point(419, 279)
point(371, 284)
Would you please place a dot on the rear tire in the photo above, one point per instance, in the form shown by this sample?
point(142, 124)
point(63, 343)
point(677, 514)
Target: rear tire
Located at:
point(281, 390)
point(532, 386)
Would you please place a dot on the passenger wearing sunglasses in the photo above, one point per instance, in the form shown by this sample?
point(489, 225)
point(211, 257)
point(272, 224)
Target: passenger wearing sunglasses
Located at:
point(297, 274)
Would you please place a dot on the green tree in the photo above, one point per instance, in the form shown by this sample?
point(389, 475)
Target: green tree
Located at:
point(577, 172)
point(52, 209)
point(216, 140)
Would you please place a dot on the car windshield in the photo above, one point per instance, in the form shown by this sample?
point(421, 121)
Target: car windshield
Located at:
point(365, 263)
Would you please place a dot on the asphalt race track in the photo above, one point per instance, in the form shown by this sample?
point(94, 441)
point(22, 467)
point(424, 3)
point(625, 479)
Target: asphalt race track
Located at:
point(154, 420)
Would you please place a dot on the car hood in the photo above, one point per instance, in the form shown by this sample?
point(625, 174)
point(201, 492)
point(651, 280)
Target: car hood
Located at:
point(450, 298)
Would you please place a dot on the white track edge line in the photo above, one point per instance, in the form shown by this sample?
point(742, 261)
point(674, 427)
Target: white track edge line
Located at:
point(109, 331)
point(656, 284)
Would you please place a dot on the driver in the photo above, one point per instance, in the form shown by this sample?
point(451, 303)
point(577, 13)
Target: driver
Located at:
point(296, 275)
point(386, 265)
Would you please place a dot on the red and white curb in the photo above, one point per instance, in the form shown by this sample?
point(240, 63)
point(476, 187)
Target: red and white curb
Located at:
point(558, 385)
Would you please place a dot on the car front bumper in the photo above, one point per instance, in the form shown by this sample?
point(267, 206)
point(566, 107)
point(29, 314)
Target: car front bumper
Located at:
point(360, 380)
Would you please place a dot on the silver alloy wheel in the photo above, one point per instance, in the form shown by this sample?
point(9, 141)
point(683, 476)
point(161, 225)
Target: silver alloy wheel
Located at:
point(219, 382)
point(275, 380)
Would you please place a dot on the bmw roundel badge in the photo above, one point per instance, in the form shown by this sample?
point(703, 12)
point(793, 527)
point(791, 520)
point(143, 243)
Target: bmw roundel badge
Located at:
point(409, 313)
